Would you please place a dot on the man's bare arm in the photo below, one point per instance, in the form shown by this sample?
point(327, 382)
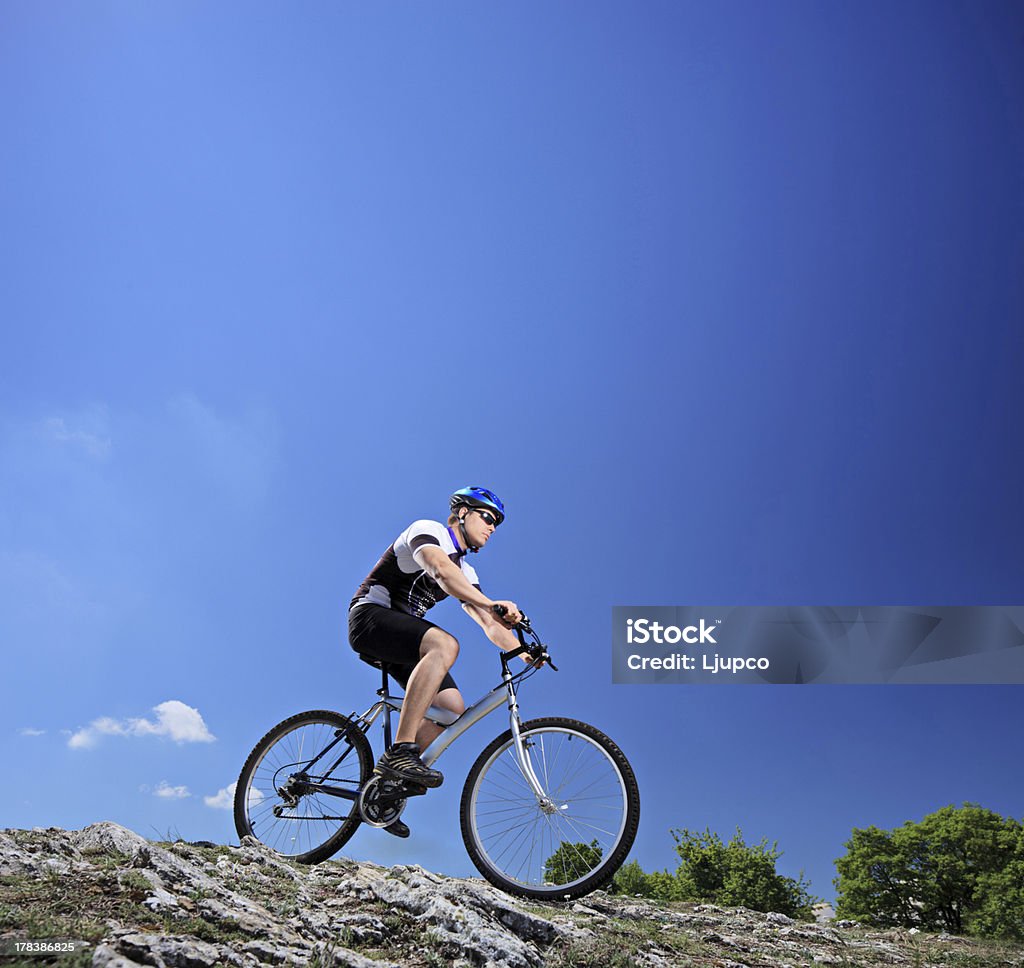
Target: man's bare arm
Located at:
point(503, 637)
point(450, 577)
point(500, 635)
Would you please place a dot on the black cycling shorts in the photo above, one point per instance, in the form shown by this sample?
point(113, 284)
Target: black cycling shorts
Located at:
point(392, 636)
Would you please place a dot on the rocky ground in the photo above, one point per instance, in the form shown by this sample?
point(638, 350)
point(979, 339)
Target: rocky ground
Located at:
point(126, 901)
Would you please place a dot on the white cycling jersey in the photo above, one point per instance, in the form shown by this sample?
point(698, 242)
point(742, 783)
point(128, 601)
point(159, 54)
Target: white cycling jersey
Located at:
point(399, 581)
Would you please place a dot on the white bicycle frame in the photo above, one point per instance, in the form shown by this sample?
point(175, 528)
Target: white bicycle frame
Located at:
point(455, 725)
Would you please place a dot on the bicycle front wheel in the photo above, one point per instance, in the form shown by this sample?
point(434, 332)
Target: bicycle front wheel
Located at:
point(571, 840)
point(298, 791)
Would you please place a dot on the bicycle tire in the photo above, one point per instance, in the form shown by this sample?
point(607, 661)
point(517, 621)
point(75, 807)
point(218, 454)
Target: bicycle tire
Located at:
point(325, 823)
point(529, 852)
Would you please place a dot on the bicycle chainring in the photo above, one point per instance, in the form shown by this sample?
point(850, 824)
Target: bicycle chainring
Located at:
point(381, 802)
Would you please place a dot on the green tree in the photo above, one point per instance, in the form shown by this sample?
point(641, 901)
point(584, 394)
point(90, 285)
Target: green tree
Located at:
point(877, 882)
point(1000, 912)
point(960, 869)
point(737, 874)
point(571, 861)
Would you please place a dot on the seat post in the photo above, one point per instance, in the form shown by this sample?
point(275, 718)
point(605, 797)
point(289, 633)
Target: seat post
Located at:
point(387, 708)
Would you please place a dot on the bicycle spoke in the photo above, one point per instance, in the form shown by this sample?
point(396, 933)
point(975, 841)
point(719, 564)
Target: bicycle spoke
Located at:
point(280, 780)
point(567, 836)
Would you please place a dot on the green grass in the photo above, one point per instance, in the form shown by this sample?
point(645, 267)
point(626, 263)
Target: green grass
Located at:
point(215, 932)
point(619, 941)
point(46, 908)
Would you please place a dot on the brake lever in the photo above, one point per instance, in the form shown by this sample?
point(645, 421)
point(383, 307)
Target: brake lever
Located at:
point(523, 626)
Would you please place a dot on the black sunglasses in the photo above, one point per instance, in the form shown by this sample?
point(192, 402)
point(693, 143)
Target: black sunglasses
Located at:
point(488, 517)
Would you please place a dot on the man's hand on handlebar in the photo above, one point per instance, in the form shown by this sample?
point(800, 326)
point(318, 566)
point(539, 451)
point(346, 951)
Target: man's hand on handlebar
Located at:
point(533, 653)
point(507, 613)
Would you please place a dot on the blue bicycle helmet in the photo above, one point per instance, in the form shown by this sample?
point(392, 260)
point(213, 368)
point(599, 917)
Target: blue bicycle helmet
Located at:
point(478, 497)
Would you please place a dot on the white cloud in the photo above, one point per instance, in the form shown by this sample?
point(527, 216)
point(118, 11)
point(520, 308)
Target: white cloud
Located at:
point(182, 723)
point(174, 719)
point(86, 738)
point(29, 731)
point(167, 792)
point(223, 800)
point(86, 432)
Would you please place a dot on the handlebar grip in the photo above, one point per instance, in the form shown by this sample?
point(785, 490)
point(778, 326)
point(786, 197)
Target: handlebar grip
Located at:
point(536, 649)
point(523, 623)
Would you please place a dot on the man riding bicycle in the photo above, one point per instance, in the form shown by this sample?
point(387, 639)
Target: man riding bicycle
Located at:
point(425, 564)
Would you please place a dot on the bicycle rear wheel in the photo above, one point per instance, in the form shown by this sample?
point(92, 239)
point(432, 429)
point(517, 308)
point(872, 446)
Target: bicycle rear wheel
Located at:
point(298, 791)
point(568, 844)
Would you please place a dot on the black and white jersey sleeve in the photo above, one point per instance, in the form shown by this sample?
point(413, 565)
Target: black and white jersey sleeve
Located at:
point(398, 580)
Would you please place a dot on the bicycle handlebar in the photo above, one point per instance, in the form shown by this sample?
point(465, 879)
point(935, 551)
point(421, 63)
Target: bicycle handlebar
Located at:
point(538, 652)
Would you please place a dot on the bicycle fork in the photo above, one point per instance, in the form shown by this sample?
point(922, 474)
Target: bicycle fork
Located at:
point(473, 714)
point(545, 803)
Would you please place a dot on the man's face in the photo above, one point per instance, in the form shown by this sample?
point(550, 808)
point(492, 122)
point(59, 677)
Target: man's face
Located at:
point(479, 524)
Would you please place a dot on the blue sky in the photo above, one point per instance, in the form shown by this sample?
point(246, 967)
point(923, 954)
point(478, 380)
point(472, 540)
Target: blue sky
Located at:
point(724, 300)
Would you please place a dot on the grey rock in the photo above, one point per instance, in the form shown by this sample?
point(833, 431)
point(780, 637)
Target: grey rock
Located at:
point(106, 836)
point(15, 859)
point(268, 953)
point(105, 956)
point(467, 919)
point(710, 909)
point(363, 928)
point(247, 918)
point(250, 908)
point(161, 900)
point(175, 952)
point(808, 934)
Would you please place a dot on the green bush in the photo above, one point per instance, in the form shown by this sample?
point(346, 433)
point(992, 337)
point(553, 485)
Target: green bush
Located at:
point(737, 874)
point(630, 879)
point(733, 874)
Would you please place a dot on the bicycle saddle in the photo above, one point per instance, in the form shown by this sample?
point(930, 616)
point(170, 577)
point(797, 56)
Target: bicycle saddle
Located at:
point(376, 663)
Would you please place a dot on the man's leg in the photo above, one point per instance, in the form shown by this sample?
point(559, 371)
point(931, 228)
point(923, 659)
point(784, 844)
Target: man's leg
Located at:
point(438, 652)
point(450, 699)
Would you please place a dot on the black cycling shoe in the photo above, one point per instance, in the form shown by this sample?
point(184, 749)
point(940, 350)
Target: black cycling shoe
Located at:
point(397, 829)
point(402, 762)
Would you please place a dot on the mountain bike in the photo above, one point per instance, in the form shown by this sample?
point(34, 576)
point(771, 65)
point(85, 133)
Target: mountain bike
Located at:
point(549, 810)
